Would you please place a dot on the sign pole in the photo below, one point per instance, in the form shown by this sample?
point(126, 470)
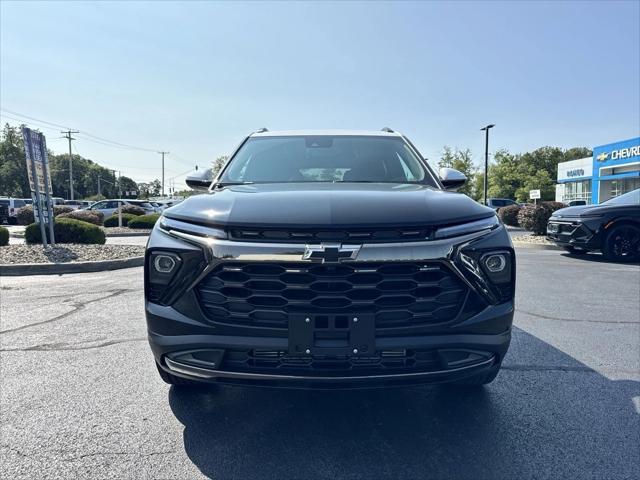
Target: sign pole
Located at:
point(26, 135)
point(47, 183)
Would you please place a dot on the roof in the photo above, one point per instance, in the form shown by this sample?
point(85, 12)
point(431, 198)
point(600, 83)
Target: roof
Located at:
point(291, 133)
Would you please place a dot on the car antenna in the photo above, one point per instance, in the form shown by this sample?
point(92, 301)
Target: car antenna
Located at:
point(388, 130)
point(262, 130)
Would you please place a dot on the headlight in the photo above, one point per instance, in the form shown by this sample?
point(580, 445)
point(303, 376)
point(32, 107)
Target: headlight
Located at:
point(171, 225)
point(466, 228)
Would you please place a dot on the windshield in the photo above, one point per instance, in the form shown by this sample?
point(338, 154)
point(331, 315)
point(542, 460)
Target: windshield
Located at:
point(325, 158)
point(630, 198)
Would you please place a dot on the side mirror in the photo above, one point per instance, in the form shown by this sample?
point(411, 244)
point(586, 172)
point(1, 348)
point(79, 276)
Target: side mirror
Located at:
point(200, 180)
point(452, 179)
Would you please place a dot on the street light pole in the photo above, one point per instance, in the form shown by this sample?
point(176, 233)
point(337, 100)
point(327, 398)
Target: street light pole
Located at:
point(486, 160)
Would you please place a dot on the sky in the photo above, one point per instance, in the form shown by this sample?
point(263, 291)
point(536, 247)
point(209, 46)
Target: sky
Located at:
point(193, 78)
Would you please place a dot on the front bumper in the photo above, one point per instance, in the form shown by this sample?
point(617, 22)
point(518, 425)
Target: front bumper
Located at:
point(573, 232)
point(466, 345)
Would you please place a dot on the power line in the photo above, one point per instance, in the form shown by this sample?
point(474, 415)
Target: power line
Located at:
point(105, 141)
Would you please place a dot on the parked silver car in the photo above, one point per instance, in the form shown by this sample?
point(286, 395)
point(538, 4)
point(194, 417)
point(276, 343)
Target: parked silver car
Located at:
point(109, 207)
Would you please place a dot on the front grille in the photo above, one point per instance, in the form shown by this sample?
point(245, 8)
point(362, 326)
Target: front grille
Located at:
point(396, 293)
point(281, 362)
point(407, 234)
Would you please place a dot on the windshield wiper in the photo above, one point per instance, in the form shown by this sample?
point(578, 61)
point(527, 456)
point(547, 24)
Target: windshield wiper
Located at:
point(231, 184)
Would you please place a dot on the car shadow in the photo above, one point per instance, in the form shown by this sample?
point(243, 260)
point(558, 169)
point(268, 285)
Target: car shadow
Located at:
point(545, 416)
point(595, 257)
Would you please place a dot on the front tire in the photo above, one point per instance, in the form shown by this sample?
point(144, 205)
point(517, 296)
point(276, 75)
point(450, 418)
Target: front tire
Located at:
point(622, 244)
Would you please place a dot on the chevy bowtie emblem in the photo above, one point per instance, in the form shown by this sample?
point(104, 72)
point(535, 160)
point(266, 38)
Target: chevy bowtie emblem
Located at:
point(602, 157)
point(330, 253)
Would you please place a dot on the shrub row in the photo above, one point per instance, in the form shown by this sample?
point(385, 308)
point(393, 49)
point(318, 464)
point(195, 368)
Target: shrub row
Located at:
point(24, 216)
point(67, 230)
point(144, 221)
point(535, 217)
point(91, 216)
point(132, 209)
point(4, 236)
point(509, 215)
point(112, 221)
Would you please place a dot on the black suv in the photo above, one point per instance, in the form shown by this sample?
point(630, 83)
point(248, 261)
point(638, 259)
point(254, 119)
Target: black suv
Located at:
point(329, 259)
point(613, 227)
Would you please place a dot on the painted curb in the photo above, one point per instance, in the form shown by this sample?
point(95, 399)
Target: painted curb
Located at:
point(535, 246)
point(21, 269)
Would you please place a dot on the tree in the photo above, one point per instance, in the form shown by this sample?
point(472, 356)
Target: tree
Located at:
point(218, 164)
point(14, 181)
point(459, 160)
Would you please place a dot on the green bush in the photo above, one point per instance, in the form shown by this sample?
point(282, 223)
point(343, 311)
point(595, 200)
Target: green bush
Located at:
point(132, 209)
point(509, 215)
point(4, 236)
point(536, 217)
point(67, 230)
point(25, 215)
point(144, 221)
point(112, 221)
point(90, 216)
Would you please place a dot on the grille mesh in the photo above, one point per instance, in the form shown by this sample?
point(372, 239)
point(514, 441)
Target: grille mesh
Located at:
point(280, 362)
point(264, 294)
point(304, 236)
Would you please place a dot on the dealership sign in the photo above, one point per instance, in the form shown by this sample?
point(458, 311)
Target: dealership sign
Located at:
point(618, 152)
point(574, 169)
point(35, 150)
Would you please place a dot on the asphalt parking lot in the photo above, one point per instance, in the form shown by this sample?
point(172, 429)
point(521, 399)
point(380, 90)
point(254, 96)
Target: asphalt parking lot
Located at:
point(80, 397)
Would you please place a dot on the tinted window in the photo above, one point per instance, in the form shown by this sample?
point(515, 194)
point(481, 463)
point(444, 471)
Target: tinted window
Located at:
point(138, 203)
point(4, 202)
point(18, 203)
point(325, 158)
point(631, 198)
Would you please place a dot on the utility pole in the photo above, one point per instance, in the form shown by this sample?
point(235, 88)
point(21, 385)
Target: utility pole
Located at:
point(163, 154)
point(486, 159)
point(69, 137)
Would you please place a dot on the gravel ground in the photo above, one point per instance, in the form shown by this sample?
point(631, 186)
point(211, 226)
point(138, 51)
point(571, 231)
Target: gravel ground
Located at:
point(71, 252)
point(538, 239)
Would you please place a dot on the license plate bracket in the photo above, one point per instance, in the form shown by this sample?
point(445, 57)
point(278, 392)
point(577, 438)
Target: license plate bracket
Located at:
point(331, 334)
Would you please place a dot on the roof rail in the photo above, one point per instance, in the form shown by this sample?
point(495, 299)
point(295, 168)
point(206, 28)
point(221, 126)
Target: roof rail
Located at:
point(262, 130)
point(388, 130)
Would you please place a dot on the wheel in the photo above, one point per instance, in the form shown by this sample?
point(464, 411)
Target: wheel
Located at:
point(178, 381)
point(479, 379)
point(575, 251)
point(12, 221)
point(622, 244)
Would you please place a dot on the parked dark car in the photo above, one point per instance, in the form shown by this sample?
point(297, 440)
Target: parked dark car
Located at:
point(613, 227)
point(497, 203)
point(327, 260)
point(4, 211)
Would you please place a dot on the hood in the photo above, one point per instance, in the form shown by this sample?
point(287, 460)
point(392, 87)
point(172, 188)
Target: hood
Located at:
point(573, 211)
point(328, 205)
